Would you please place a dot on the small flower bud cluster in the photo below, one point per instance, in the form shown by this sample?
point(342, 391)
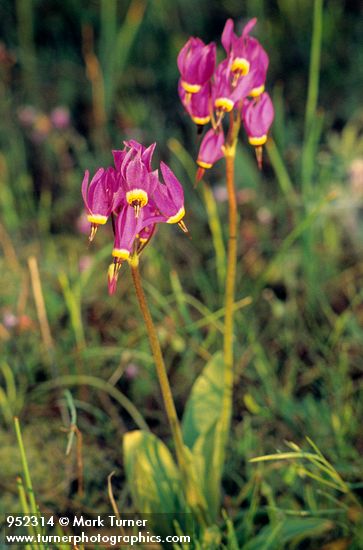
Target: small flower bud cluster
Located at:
point(132, 194)
point(237, 84)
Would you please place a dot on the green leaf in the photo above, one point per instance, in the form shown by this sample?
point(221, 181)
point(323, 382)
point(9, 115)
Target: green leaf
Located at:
point(204, 406)
point(274, 537)
point(202, 430)
point(153, 478)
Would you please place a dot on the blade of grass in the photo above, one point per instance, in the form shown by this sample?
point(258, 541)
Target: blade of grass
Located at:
point(25, 509)
point(25, 26)
point(283, 177)
point(29, 491)
point(40, 305)
point(299, 230)
point(72, 301)
point(123, 45)
point(314, 76)
point(92, 381)
point(108, 30)
point(216, 232)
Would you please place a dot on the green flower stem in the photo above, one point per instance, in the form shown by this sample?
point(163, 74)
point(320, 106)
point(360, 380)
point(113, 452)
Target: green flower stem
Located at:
point(229, 290)
point(229, 154)
point(193, 495)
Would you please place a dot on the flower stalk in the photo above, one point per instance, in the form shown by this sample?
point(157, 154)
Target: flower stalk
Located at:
point(229, 154)
point(193, 496)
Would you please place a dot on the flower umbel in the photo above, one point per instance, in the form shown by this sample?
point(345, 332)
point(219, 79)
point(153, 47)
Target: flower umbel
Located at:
point(135, 198)
point(236, 88)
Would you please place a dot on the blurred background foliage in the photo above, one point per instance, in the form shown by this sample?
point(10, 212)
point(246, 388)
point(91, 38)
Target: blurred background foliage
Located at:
point(79, 77)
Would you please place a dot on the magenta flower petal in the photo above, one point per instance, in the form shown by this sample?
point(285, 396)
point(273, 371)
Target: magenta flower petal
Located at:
point(244, 50)
point(258, 116)
point(210, 150)
point(147, 154)
point(172, 184)
point(198, 105)
point(126, 228)
point(169, 197)
point(98, 198)
point(139, 183)
point(196, 62)
point(84, 188)
point(226, 90)
point(118, 158)
point(133, 144)
point(228, 35)
point(222, 87)
point(248, 28)
point(136, 174)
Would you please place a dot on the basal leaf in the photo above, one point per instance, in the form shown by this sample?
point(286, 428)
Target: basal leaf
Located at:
point(202, 430)
point(204, 406)
point(152, 474)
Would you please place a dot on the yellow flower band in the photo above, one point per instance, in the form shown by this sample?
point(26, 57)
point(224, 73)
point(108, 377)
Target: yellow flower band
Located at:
point(120, 253)
point(138, 196)
point(201, 120)
point(257, 141)
point(191, 88)
point(240, 65)
point(224, 103)
point(203, 164)
point(97, 219)
point(177, 217)
point(255, 92)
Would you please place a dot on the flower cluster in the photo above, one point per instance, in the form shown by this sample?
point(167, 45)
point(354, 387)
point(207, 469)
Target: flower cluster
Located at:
point(236, 85)
point(136, 200)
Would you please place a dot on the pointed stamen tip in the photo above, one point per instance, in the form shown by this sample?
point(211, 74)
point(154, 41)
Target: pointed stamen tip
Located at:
point(112, 276)
point(183, 227)
point(91, 236)
point(259, 153)
point(137, 209)
point(199, 175)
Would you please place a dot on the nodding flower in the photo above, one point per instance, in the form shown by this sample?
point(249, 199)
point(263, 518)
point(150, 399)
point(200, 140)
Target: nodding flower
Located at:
point(131, 236)
point(196, 62)
point(169, 198)
point(98, 197)
point(198, 105)
point(260, 62)
point(225, 91)
point(136, 199)
point(210, 151)
point(257, 116)
point(243, 49)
